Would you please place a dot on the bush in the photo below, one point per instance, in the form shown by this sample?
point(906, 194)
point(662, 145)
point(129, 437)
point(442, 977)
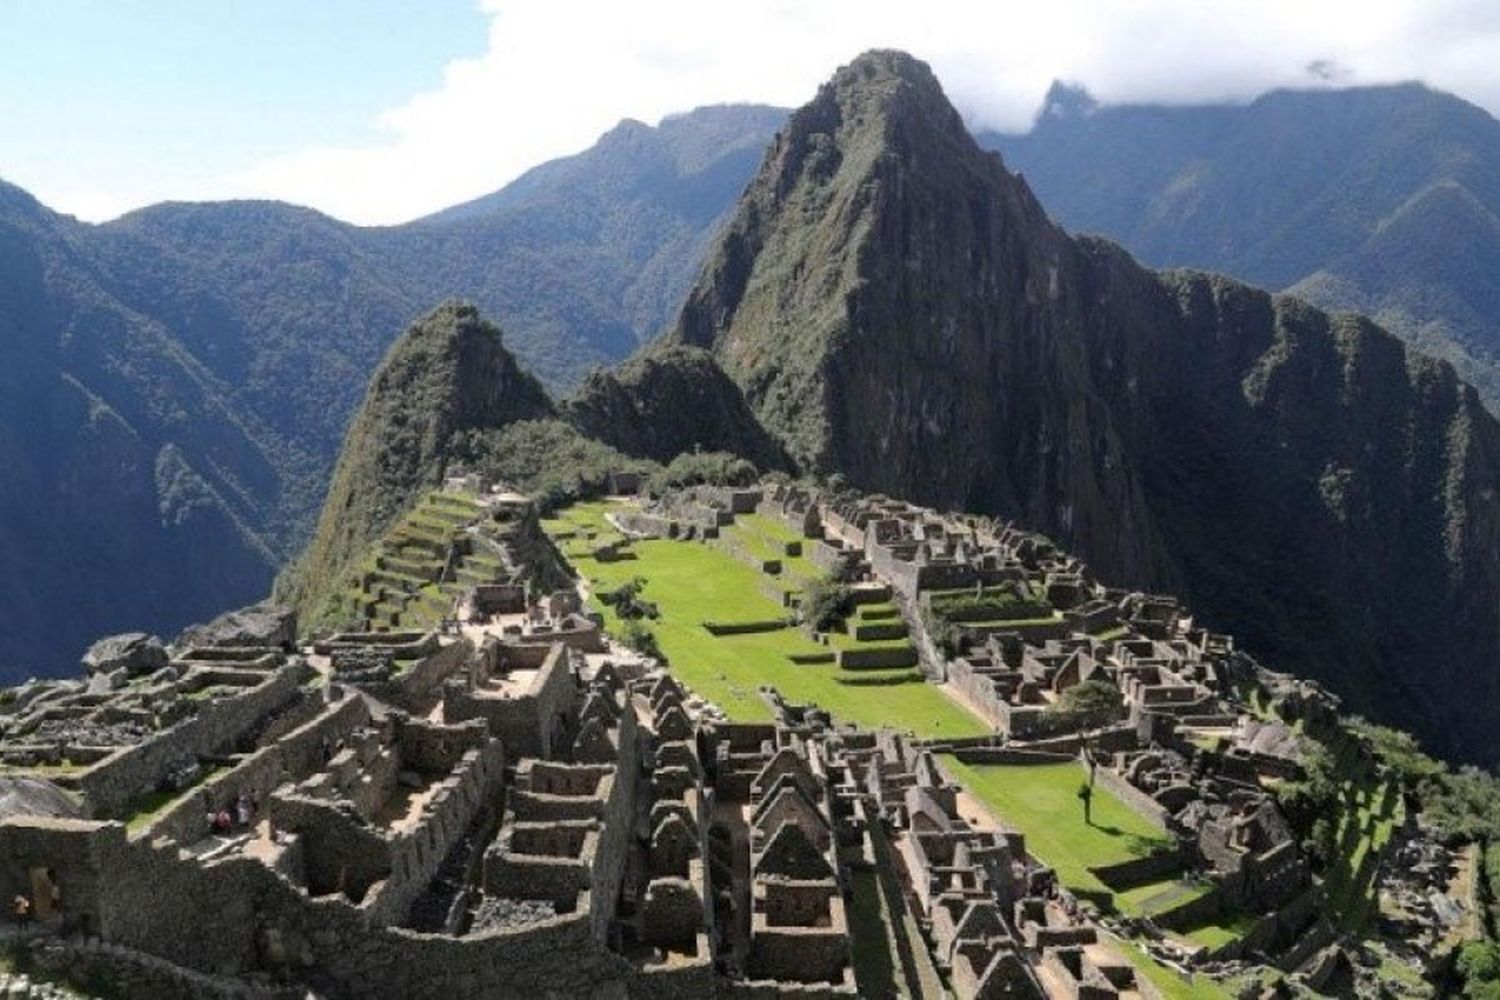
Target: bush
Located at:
point(826, 603)
point(627, 602)
point(1088, 705)
point(635, 635)
point(1479, 964)
point(700, 468)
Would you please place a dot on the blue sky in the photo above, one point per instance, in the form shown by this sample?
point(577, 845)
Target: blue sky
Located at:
point(100, 98)
point(378, 111)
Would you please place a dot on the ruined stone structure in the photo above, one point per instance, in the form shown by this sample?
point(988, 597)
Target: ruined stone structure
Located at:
point(508, 804)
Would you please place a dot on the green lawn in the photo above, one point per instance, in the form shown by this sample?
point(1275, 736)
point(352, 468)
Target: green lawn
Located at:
point(766, 538)
point(1171, 984)
point(1041, 800)
point(1229, 927)
point(691, 583)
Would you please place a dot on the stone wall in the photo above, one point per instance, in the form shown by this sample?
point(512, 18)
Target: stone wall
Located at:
point(878, 658)
point(295, 755)
point(1138, 871)
point(527, 722)
point(109, 786)
point(1132, 796)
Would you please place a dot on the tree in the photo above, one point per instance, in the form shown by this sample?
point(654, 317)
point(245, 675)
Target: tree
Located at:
point(638, 637)
point(825, 603)
point(1479, 962)
point(1089, 705)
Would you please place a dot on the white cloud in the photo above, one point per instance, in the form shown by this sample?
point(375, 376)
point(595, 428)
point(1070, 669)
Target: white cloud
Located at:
point(557, 73)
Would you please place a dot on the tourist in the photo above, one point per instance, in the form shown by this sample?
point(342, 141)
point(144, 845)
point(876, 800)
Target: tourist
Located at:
point(20, 908)
point(243, 811)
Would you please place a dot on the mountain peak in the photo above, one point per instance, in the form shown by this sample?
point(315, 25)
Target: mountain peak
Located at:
point(1067, 100)
point(885, 84)
point(446, 378)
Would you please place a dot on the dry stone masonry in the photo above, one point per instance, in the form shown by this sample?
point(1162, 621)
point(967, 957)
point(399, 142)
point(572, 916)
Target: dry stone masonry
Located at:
point(504, 802)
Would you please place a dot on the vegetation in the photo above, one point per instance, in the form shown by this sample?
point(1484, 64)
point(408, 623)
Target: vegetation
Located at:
point(826, 603)
point(1089, 705)
point(1040, 800)
point(696, 468)
point(548, 460)
point(691, 583)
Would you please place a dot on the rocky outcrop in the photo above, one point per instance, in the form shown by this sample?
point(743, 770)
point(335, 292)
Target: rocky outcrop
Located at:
point(265, 624)
point(133, 652)
point(21, 796)
point(669, 401)
point(897, 307)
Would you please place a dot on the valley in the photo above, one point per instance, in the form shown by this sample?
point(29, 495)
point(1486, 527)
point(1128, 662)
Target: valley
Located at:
point(938, 604)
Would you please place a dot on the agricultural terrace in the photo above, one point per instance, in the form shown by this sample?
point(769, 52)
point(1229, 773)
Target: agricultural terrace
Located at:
point(1370, 809)
point(695, 582)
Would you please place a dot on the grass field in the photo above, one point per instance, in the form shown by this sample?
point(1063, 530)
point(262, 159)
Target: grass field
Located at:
point(1171, 984)
point(1041, 801)
point(691, 583)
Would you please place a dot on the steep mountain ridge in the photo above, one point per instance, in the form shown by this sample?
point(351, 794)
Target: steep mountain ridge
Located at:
point(241, 334)
point(668, 401)
point(447, 377)
point(125, 475)
point(897, 308)
point(1301, 190)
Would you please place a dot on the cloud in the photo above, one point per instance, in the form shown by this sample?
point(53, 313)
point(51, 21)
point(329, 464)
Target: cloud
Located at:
point(557, 73)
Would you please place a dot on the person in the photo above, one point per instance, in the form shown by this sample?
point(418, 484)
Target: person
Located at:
point(20, 908)
point(222, 821)
point(242, 811)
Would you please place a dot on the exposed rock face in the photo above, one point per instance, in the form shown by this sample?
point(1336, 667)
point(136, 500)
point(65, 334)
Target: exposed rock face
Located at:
point(897, 307)
point(269, 625)
point(669, 401)
point(133, 652)
point(448, 375)
point(35, 797)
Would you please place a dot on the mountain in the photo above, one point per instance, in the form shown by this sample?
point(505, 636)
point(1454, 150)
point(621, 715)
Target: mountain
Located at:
point(1384, 200)
point(178, 382)
point(665, 402)
point(448, 375)
point(898, 308)
point(130, 487)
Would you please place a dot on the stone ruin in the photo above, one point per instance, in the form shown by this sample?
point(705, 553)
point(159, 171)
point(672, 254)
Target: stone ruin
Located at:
point(511, 805)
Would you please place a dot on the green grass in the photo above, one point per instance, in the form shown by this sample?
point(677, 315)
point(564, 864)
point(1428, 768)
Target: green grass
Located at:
point(765, 538)
point(153, 805)
point(1218, 933)
point(1041, 800)
point(692, 583)
point(1153, 898)
point(1370, 813)
point(1172, 985)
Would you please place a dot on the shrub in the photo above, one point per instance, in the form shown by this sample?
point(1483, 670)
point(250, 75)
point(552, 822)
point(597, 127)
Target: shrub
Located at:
point(1088, 705)
point(635, 635)
point(627, 601)
point(711, 468)
point(826, 603)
